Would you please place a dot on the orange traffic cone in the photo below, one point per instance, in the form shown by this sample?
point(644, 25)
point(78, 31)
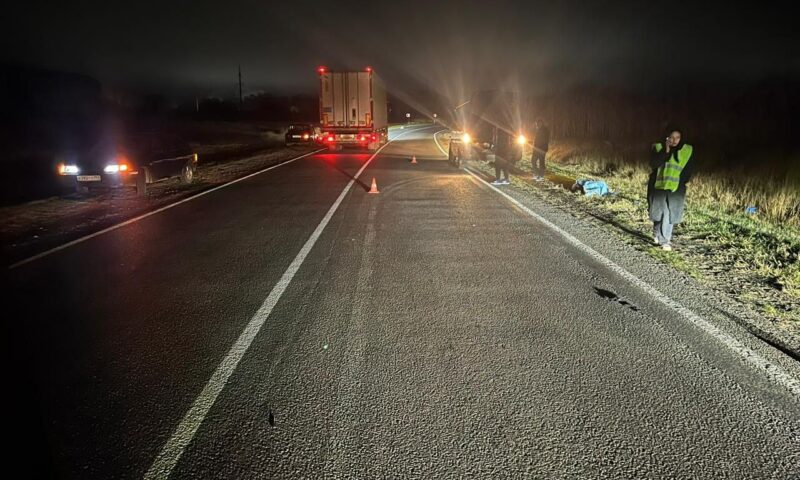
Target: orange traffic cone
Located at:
point(374, 188)
point(413, 160)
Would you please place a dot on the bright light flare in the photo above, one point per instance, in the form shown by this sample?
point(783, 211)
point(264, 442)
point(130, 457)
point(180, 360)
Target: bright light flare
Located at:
point(68, 169)
point(522, 140)
point(116, 168)
point(466, 138)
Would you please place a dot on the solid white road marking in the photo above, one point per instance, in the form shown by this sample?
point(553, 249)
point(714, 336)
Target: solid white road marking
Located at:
point(158, 210)
point(437, 143)
point(776, 373)
point(183, 434)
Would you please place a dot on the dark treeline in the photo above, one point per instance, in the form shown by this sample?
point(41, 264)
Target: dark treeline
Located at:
point(746, 126)
point(43, 112)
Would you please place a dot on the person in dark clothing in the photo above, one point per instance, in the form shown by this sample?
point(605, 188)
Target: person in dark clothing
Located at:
point(505, 156)
point(541, 143)
point(672, 165)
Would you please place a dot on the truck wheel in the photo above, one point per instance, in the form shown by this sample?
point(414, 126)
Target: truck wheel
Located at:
point(187, 174)
point(141, 181)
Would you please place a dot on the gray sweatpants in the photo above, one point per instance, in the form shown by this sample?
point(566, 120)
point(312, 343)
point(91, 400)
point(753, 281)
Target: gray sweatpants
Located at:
point(662, 229)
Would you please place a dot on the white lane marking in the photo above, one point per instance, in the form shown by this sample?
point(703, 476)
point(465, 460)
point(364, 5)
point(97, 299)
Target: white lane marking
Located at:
point(437, 143)
point(775, 372)
point(158, 210)
point(173, 450)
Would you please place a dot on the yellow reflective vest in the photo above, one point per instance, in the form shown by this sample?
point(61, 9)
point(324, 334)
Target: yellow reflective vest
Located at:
point(668, 176)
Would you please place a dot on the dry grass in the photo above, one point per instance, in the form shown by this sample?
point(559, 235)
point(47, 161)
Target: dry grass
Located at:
point(775, 194)
point(764, 246)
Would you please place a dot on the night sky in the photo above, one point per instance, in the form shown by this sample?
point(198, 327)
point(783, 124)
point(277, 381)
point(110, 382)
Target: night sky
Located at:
point(450, 47)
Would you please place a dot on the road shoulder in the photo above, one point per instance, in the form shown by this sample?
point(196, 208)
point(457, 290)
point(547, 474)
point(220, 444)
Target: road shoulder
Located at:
point(724, 313)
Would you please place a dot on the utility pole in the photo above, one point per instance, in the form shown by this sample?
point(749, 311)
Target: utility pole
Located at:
point(240, 87)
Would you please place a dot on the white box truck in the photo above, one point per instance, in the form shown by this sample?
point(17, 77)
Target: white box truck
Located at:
point(352, 109)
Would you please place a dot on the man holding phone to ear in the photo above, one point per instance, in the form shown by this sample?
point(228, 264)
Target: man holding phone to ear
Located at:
point(671, 163)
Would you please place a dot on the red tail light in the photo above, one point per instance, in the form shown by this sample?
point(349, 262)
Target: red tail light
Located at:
point(330, 138)
point(374, 138)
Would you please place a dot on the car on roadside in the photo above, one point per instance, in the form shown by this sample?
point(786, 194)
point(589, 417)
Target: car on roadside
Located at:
point(130, 161)
point(461, 148)
point(302, 133)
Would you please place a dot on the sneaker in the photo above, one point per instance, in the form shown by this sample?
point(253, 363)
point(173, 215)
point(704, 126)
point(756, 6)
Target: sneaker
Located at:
point(497, 182)
point(506, 182)
point(666, 247)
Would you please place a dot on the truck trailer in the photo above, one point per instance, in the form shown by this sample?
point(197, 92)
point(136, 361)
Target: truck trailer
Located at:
point(352, 109)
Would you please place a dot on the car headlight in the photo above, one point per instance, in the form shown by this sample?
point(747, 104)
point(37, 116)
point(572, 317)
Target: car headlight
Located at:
point(116, 168)
point(68, 169)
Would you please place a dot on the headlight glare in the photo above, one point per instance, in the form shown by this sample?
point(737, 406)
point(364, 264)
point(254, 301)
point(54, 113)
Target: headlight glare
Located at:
point(68, 169)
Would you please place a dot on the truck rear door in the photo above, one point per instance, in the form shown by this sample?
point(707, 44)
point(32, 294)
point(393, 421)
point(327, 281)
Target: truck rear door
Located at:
point(345, 100)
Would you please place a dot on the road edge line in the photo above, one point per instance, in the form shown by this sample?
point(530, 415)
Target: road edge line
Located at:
point(153, 212)
point(173, 449)
point(437, 142)
point(775, 373)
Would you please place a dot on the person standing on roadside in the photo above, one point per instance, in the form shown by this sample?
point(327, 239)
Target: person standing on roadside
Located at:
point(503, 156)
point(671, 168)
point(541, 143)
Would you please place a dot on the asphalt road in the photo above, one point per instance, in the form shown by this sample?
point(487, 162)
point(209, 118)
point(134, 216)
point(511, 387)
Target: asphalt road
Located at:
point(432, 331)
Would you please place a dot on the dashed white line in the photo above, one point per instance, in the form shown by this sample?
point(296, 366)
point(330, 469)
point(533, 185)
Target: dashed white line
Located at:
point(184, 433)
point(775, 372)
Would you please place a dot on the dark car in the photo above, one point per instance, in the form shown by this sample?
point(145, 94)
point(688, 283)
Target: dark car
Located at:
point(302, 133)
point(461, 148)
point(135, 161)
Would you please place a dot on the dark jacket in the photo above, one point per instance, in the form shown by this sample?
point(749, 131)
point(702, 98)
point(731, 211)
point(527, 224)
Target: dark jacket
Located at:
point(541, 140)
point(505, 148)
point(664, 201)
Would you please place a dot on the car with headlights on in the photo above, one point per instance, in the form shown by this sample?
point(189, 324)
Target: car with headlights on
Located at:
point(302, 134)
point(461, 148)
point(130, 161)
